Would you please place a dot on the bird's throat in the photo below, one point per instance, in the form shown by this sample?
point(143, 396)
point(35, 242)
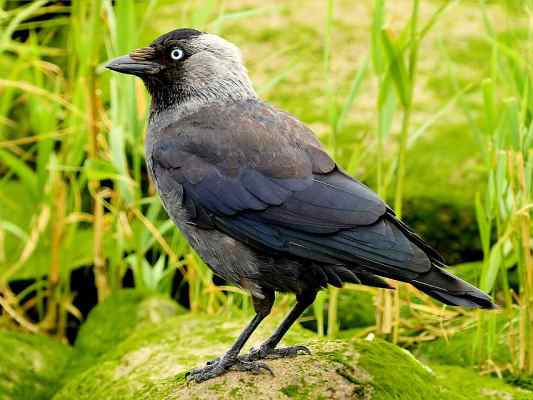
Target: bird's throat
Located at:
point(182, 100)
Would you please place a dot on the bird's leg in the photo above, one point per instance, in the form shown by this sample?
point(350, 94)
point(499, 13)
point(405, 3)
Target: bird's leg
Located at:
point(231, 359)
point(268, 348)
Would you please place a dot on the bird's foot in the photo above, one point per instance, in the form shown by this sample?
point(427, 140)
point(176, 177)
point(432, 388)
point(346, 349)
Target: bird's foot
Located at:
point(221, 365)
point(273, 353)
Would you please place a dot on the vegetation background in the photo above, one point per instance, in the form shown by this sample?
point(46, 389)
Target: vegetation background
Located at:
point(428, 102)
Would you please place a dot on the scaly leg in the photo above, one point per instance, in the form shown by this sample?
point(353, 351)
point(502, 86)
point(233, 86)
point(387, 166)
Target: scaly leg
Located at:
point(268, 348)
point(231, 359)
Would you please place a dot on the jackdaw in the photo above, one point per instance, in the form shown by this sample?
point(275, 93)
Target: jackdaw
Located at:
point(260, 200)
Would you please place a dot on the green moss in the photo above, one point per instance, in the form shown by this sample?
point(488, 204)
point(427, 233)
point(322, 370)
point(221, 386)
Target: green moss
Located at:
point(154, 354)
point(402, 377)
point(151, 364)
point(30, 365)
point(476, 387)
point(290, 390)
point(299, 391)
point(114, 320)
point(235, 392)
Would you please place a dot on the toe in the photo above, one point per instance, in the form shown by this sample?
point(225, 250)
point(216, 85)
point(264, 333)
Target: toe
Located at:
point(253, 355)
point(203, 374)
point(212, 369)
point(222, 365)
point(251, 366)
point(281, 352)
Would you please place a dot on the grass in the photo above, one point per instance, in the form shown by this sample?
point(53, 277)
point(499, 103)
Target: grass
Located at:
point(433, 103)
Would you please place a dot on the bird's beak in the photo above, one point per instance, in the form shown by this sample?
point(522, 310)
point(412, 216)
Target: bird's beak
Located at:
point(131, 66)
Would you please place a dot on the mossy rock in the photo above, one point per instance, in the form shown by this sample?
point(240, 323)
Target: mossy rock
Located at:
point(114, 320)
point(476, 387)
point(151, 364)
point(30, 365)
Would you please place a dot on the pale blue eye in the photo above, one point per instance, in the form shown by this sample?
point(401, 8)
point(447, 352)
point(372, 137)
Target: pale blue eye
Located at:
point(176, 53)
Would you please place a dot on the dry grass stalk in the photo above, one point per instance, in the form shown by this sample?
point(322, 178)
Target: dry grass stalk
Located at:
point(18, 317)
point(38, 227)
point(100, 270)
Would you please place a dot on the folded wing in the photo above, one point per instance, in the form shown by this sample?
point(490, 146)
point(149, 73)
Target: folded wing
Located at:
point(260, 176)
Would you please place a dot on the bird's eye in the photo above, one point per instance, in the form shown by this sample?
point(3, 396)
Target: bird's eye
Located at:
point(176, 53)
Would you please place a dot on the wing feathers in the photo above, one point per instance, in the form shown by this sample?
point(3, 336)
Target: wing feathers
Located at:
point(263, 188)
point(261, 177)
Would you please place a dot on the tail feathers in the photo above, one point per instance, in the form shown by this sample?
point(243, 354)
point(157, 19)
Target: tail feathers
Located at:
point(336, 275)
point(451, 290)
point(366, 278)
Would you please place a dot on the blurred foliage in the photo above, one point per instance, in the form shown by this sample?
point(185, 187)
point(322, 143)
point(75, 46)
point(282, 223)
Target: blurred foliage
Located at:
point(355, 310)
point(33, 368)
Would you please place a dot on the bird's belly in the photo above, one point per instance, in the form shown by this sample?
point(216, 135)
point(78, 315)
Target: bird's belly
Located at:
point(228, 258)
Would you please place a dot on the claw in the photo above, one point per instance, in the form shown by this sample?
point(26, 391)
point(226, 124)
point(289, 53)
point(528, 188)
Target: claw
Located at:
point(221, 365)
point(251, 366)
point(212, 362)
point(269, 353)
point(208, 366)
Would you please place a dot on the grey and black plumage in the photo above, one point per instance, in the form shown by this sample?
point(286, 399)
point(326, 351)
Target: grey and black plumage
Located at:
point(258, 197)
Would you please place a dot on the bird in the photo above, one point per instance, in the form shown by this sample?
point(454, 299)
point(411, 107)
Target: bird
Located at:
point(259, 198)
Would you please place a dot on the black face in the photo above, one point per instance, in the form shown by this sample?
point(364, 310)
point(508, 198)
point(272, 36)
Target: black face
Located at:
point(167, 51)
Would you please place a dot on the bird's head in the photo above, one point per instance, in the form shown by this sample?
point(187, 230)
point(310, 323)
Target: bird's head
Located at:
point(187, 66)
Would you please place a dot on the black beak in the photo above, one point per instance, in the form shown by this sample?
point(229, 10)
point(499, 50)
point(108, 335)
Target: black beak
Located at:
point(128, 65)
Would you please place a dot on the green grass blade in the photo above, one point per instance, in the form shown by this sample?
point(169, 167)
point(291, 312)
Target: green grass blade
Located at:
point(397, 68)
point(376, 41)
point(354, 91)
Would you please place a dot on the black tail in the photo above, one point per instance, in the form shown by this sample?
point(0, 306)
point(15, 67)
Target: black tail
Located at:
point(451, 290)
point(438, 283)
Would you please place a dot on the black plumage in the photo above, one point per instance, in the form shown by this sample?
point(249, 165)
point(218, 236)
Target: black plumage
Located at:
point(293, 201)
point(259, 198)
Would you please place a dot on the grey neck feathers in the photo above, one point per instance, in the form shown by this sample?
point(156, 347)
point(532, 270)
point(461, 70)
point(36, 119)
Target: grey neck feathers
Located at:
point(200, 87)
point(182, 101)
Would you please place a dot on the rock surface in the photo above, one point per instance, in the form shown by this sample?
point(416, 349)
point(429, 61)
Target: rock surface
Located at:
point(113, 321)
point(151, 362)
point(138, 347)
